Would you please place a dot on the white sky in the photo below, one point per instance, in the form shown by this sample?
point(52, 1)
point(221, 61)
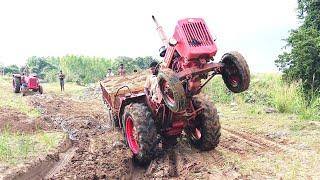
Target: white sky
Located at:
point(114, 28)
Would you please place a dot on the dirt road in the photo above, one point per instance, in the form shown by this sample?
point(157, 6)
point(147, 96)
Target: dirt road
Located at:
point(98, 151)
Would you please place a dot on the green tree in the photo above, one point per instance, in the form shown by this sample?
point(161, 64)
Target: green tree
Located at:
point(39, 65)
point(128, 62)
point(301, 61)
point(144, 62)
point(11, 69)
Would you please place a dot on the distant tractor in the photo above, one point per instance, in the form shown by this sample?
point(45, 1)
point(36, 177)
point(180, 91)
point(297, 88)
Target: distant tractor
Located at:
point(23, 84)
point(179, 107)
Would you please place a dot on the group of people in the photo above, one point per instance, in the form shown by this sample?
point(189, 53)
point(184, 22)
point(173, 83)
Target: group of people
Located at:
point(151, 85)
point(121, 71)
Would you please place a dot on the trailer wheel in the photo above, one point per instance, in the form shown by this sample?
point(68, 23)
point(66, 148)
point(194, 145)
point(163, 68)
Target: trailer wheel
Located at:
point(16, 82)
point(172, 90)
point(235, 74)
point(140, 132)
point(205, 135)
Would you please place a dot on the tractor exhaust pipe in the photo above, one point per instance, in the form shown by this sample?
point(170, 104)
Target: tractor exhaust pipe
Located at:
point(162, 34)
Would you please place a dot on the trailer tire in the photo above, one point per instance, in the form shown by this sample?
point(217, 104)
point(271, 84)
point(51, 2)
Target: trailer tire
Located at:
point(208, 125)
point(235, 73)
point(140, 132)
point(172, 90)
point(16, 82)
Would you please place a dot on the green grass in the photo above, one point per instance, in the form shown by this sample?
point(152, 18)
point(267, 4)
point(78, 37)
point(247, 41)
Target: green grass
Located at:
point(300, 136)
point(18, 147)
point(14, 101)
point(268, 90)
point(71, 89)
point(20, 103)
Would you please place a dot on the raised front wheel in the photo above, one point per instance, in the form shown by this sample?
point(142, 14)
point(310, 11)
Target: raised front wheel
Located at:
point(235, 73)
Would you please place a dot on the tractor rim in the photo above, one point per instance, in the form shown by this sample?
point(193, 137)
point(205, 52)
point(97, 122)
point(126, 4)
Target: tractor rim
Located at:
point(234, 81)
point(131, 136)
point(167, 92)
point(233, 75)
point(196, 134)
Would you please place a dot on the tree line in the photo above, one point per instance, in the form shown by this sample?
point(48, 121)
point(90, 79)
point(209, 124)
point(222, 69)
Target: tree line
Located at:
point(301, 59)
point(79, 69)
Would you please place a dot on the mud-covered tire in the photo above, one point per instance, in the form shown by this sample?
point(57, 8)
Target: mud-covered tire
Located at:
point(16, 82)
point(172, 90)
point(40, 89)
point(146, 133)
point(235, 73)
point(207, 123)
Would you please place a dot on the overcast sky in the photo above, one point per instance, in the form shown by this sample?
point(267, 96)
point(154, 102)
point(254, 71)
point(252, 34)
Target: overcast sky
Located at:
point(125, 28)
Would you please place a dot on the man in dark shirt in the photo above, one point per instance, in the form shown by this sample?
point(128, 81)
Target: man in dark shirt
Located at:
point(61, 78)
point(121, 70)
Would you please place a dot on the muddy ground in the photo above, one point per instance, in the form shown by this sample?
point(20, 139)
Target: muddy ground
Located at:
point(98, 151)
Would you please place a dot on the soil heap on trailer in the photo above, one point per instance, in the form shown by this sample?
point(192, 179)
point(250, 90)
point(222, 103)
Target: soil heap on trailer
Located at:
point(187, 66)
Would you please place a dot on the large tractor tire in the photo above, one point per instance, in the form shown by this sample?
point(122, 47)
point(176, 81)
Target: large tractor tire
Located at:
point(140, 132)
point(172, 90)
point(40, 89)
point(16, 82)
point(236, 73)
point(206, 133)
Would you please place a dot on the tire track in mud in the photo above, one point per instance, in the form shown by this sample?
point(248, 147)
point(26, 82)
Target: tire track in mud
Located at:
point(64, 159)
point(96, 151)
point(246, 141)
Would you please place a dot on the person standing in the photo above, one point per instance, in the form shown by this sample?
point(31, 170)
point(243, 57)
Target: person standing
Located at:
point(61, 78)
point(109, 73)
point(151, 88)
point(121, 70)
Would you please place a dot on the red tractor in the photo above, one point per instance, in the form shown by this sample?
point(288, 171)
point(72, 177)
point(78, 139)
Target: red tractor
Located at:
point(179, 107)
point(22, 83)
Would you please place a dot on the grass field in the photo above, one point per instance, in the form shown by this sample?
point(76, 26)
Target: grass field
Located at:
point(268, 91)
point(19, 147)
point(16, 147)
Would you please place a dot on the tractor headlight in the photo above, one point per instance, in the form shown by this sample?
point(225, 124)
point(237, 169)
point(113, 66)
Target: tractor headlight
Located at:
point(172, 41)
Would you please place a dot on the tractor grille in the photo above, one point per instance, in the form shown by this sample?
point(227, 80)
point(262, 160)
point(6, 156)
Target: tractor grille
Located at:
point(197, 34)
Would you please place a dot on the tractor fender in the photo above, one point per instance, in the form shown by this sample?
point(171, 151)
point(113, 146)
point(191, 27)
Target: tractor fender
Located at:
point(124, 101)
point(16, 75)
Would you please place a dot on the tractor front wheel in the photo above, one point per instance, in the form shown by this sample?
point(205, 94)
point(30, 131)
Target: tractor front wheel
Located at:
point(140, 132)
point(172, 90)
point(205, 134)
point(235, 73)
point(16, 82)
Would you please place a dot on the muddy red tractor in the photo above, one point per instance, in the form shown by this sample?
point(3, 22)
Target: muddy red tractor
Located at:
point(180, 106)
point(23, 83)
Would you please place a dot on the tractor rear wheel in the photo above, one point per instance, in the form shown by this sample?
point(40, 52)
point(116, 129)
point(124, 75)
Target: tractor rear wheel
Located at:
point(235, 73)
point(205, 135)
point(16, 82)
point(172, 90)
point(40, 89)
point(140, 132)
